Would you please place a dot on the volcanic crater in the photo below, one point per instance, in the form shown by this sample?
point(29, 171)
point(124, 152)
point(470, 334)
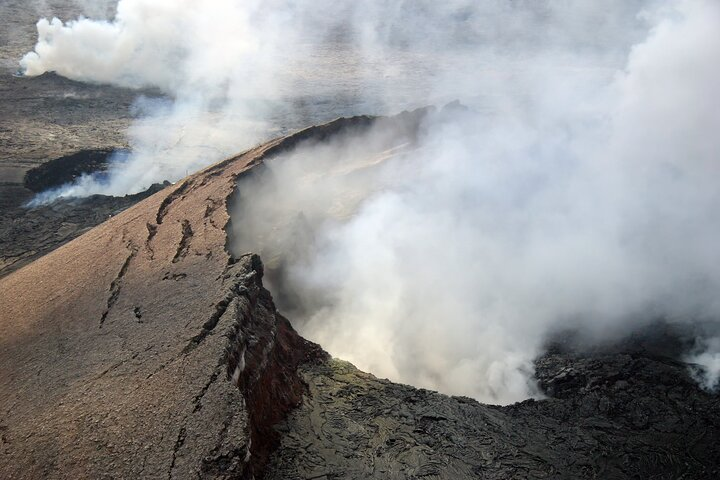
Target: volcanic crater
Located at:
point(145, 348)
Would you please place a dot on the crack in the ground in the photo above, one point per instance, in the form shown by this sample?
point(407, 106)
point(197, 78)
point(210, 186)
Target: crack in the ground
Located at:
point(117, 365)
point(198, 398)
point(178, 445)
point(220, 308)
point(174, 195)
point(174, 276)
point(210, 209)
point(184, 245)
point(116, 284)
point(152, 231)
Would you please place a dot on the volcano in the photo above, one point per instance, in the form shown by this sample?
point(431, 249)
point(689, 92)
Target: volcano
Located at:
point(145, 349)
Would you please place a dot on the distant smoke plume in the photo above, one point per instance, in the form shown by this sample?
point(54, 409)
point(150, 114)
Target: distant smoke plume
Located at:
point(236, 73)
point(577, 192)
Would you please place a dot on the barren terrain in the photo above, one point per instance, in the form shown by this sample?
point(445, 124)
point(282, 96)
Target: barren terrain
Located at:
point(143, 349)
point(136, 343)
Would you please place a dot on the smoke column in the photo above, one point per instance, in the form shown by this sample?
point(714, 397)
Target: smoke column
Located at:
point(577, 191)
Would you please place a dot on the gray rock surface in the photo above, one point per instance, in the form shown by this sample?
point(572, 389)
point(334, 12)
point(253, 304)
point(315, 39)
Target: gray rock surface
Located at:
point(621, 415)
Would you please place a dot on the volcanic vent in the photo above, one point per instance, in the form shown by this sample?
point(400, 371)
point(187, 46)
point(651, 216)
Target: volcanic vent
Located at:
point(161, 355)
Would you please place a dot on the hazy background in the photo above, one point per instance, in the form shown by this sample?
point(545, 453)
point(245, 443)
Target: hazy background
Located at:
point(238, 72)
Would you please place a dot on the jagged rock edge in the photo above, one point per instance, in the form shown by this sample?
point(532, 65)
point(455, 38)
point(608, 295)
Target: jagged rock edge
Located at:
point(267, 374)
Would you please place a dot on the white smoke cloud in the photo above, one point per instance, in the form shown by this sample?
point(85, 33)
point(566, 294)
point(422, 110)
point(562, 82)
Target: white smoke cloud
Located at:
point(591, 208)
point(706, 358)
point(577, 193)
point(204, 57)
point(239, 72)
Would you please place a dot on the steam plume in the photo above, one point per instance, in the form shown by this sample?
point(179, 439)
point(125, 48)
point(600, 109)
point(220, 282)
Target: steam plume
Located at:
point(597, 214)
point(577, 192)
point(239, 72)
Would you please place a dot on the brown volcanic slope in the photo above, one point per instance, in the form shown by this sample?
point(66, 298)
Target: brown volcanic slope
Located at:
point(143, 350)
point(112, 344)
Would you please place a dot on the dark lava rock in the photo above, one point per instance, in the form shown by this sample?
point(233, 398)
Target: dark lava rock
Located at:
point(28, 233)
point(67, 169)
point(614, 415)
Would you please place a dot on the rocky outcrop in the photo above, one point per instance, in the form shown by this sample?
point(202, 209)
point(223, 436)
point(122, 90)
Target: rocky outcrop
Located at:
point(262, 360)
point(625, 414)
point(121, 351)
